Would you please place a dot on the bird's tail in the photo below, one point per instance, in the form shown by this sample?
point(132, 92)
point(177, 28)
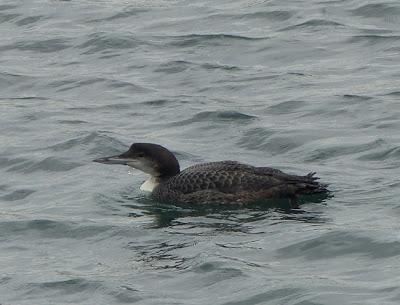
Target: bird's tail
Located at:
point(308, 184)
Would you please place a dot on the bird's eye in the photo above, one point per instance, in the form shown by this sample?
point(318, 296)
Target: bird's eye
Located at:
point(140, 155)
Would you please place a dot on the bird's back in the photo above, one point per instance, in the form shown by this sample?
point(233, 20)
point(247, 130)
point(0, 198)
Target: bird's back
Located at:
point(231, 181)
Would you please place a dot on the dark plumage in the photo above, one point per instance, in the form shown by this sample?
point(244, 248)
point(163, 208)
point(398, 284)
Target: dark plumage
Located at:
point(213, 182)
point(230, 181)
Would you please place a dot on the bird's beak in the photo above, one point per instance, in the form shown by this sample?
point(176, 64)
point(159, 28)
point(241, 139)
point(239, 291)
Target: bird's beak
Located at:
point(118, 159)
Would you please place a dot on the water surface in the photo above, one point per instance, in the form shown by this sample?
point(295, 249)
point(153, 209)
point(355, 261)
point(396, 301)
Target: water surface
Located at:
point(298, 85)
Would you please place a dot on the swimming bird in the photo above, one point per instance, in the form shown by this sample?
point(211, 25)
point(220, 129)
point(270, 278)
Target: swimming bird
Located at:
point(213, 182)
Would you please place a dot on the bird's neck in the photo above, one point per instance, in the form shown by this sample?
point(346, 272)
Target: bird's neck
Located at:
point(150, 184)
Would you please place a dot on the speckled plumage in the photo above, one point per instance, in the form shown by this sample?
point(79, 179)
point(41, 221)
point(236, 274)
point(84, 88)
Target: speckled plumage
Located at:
point(233, 182)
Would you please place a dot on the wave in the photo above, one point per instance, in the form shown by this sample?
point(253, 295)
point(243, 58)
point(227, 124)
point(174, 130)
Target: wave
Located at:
point(102, 42)
point(382, 154)
point(314, 23)
point(208, 39)
point(335, 244)
point(51, 164)
point(373, 39)
point(39, 46)
point(47, 228)
point(342, 148)
point(377, 10)
point(271, 15)
point(178, 66)
point(17, 195)
point(71, 84)
point(216, 116)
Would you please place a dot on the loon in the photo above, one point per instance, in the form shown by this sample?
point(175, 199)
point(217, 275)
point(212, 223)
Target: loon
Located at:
point(213, 182)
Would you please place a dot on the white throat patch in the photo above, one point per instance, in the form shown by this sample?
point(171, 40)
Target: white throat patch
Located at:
point(149, 185)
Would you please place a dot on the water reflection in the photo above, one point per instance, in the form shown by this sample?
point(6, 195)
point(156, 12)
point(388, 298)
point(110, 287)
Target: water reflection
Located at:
point(229, 218)
point(160, 255)
point(181, 235)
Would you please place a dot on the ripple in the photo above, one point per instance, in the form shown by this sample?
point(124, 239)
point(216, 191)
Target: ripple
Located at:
point(9, 79)
point(335, 244)
point(252, 79)
point(255, 138)
point(126, 85)
point(8, 17)
point(272, 142)
point(5, 7)
point(214, 272)
point(377, 10)
point(71, 84)
point(68, 287)
point(214, 66)
point(94, 144)
point(51, 164)
point(157, 103)
point(125, 14)
point(50, 229)
point(28, 20)
point(373, 39)
point(40, 46)
point(68, 144)
point(66, 85)
point(101, 42)
point(72, 122)
point(117, 106)
point(209, 39)
point(5, 279)
point(342, 148)
point(161, 255)
point(178, 66)
point(279, 295)
point(282, 144)
point(217, 117)
point(393, 93)
point(223, 115)
point(314, 23)
point(356, 98)
point(272, 15)
point(25, 98)
point(6, 161)
point(386, 154)
point(17, 195)
point(174, 67)
point(40, 115)
point(126, 294)
point(287, 107)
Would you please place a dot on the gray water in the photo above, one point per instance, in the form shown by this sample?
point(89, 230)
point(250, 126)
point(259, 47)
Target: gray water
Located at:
point(299, 85)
